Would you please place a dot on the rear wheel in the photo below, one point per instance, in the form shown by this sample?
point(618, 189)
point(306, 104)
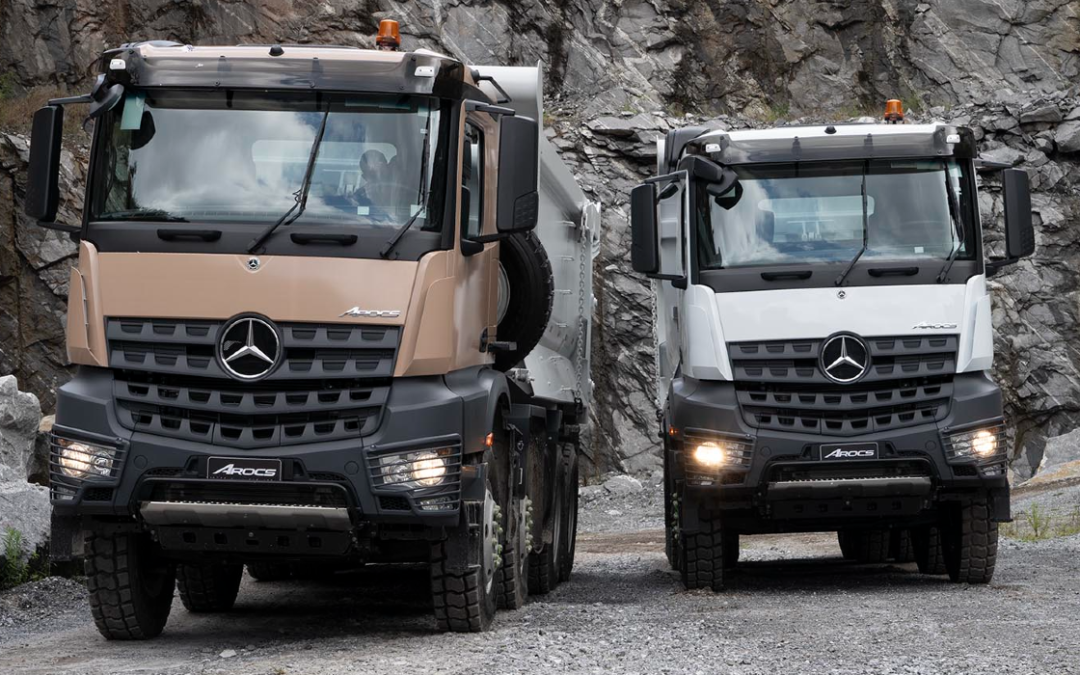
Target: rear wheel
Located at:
point(900, 546)
point(929, 553)
point(208, 587)
point(672, 547)
point(131, 588)
point(865, 546)
point(270, 571)
point(970, 543)
point(544, 564)
point(463, 595)
point(569, 519)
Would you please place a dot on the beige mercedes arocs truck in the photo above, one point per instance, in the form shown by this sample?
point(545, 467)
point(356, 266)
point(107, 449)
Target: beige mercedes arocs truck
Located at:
point(332, 307)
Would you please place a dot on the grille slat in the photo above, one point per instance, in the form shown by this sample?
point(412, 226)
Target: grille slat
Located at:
point(332, 383)
point(311, 351)
point(780, 386)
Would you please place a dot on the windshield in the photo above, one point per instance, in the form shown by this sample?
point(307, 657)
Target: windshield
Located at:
point(813, 213)
point(231, 156)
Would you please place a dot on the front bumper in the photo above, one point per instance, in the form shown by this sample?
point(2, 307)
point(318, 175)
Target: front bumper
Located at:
point(337, 483)
point(782, 475)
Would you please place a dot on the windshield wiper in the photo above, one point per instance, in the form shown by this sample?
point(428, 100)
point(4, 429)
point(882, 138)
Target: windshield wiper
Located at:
point(151, 215)
point(865, 233)
point(958, 227)
point(300, 195)
point(392, 241)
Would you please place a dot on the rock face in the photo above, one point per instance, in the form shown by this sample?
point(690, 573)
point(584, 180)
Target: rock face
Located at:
point(619, 74)
point(23, 507)
point(20, 416)
point(1061, 460)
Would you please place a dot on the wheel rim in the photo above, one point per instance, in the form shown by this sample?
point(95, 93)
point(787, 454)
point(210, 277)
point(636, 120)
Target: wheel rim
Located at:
point(504, 295)
point(491, 536)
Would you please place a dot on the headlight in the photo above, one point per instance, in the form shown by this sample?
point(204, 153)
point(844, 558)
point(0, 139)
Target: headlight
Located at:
point(420, 469)
point(981, 444)
point(428, 469)
point(84, 461)
point(709, 454)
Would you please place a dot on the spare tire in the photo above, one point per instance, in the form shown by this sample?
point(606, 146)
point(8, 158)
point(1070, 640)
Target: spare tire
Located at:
point(529, 288)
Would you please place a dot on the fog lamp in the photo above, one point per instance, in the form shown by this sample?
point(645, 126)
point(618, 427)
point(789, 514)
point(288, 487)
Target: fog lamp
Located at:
point(984, 443)
point(420, 469)
point(83, 460)
point(980, 444)
point(709, 454)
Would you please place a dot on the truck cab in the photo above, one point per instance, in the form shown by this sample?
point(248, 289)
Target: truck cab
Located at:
point(304, 275)
point(824, 341)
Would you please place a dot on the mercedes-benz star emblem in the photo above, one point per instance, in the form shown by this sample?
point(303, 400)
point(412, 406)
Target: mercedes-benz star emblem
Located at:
point(844, 358)
point(253, 264)
point(249, 348)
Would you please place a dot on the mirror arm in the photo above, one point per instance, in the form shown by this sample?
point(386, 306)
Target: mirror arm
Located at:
point(480, 106)
point(71, 100)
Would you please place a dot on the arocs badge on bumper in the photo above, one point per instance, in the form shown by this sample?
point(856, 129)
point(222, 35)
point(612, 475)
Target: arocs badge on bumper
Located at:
point(243, 468)
point(837, 451)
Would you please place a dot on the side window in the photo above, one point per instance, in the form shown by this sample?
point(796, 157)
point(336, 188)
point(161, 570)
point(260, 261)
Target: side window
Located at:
point(472, 182)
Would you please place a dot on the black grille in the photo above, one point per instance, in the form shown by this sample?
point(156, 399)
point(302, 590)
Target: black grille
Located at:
point(781, 387)
point(237, 492)
point(332, 384)
point(311, 351)
point(255, 416)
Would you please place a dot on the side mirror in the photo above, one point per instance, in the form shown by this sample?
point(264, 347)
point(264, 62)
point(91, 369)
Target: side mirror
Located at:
point(1019, 232)
point(644, 251)
point(519, 162)
point(43, 179)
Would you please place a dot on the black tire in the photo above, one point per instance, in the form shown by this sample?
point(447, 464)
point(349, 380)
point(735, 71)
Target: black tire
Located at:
point(929, 553)
point(866, 546)
point(731, 551)
point(464, 602)
point(970, 539)
point(516, 570)
point(532, 289)
point(672, 548)
point(847, 540)
point(703, 557)
point(901, 549)
point(570, 515)
point(131, 589)
point(208, 587)
point(270, 571)
point(544, 564)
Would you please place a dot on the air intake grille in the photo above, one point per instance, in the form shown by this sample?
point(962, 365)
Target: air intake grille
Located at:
point(781, 386)
point(311, 351)
point(332, 383)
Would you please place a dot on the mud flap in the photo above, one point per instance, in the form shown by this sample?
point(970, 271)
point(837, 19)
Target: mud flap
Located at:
point(466, 548)
point(1000, 505)
point(65, 539)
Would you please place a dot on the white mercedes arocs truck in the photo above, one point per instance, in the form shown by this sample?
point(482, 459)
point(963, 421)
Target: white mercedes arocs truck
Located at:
point(824, 341)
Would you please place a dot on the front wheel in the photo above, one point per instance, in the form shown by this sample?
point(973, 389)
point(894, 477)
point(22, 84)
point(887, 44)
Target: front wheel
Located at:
point(970, 543)
point(463, 595)
point(131, 588)
point(706, 553)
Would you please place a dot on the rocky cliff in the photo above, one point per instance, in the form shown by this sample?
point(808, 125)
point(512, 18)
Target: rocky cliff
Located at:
point(620, 73)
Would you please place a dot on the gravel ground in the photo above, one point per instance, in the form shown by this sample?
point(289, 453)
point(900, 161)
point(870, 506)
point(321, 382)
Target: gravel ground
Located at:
point(795, 606)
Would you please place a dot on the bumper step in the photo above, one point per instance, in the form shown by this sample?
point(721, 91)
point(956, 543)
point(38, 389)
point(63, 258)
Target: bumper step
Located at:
point(216, 514)
point(833, 488)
